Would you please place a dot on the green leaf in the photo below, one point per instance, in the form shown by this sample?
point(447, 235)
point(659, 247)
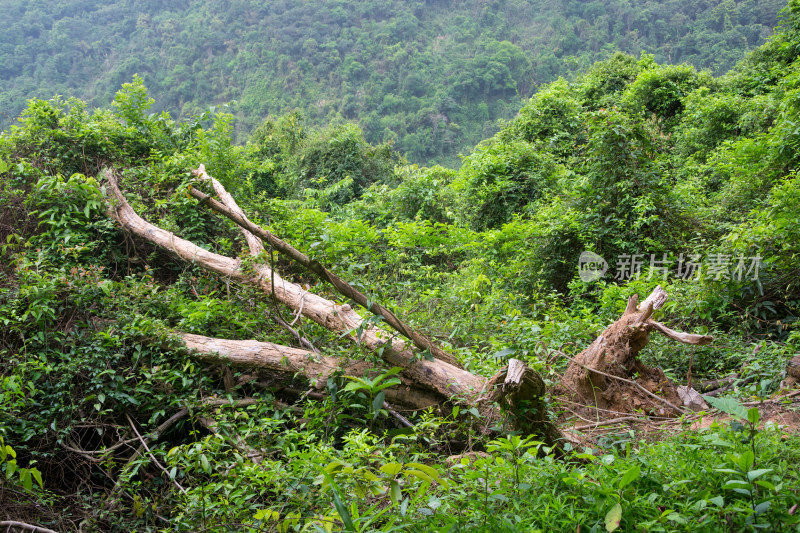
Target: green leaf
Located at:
point(11, 467)
point(613, 518)
point(391, 469)
point(386, 384)
point(25, 476)
point(356, 384)
point(719, 501)
point(502, 354)
point(737, 484)
point(341, 508)
point(430, 471)
point(205, 464)
point(766, 484)
point(396, 494)
point(677, 518)
point(629, 476)
point(377, 402)
point(753, 416)
point(37, 476)
point(752, 475)
point(763, 507)
point(728, 405)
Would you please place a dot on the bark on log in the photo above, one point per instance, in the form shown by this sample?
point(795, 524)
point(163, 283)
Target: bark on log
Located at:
point(519, 390)
point(254, 244)
point(289, 362)
point(601, 375)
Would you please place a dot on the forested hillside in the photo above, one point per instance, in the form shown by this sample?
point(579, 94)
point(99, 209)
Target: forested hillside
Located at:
point(590, 325)
point(431, 76)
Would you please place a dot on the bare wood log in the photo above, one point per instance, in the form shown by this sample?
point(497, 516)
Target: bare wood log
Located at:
point(601, 375)
point(265, 355)
point(253, 243)
point(445, 380)
point(438, 375)
point(341, 286)
point(519, 389)
point(293, 361)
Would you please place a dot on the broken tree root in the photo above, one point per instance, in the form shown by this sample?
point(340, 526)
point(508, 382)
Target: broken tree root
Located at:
point(602, 375)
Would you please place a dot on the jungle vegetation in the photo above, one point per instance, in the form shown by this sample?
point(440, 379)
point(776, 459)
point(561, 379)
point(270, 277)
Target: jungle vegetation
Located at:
point(676, 176)
point(432, 77)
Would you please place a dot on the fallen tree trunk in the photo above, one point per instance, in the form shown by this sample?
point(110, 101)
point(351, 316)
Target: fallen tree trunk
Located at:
point(229, 209)
point(288, 363)
point(437, 375)
point(446, 381)
point(608, 374)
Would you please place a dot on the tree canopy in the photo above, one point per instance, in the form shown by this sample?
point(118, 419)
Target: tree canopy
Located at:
point(430, 76)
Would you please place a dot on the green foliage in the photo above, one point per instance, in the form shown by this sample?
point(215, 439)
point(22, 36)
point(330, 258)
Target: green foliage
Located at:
point(631, 157)
point(13, 473)
point(659, 91)
point(498, 181)
point(432, 76)
point(340, 163)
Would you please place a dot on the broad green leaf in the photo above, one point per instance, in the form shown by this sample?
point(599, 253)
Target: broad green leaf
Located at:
point(377, 402)
point(719, 501)
point(629, 476)
point(11, 467)
point(395, 492)
point(752, 475)
point(737, 484)
point(37, 476)
point(334, 467)
point(613, 518)
point(753, 416)
point(766, 484)
point(391, 469)
point(432, 472)
point(386, 384)
point(716, 441)
point(677, 518)
point(356, 384)
point(746, 460)
point(728, 405)
point(763, 507)
point(420, 475)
